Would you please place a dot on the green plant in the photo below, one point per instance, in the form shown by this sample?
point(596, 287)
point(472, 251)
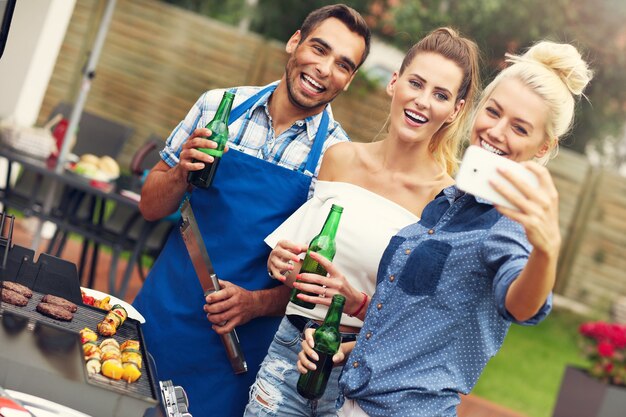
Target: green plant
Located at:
point(538, 354)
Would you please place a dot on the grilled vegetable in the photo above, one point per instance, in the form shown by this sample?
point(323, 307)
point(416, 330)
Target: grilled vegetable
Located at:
point(111, 354)
point(130, 344)
point(131, 372)
point(106, 329)
point(132, 357)
point(112, 321)
point(98, 303)
point(88, 335)
point(109, 341)
point(103, 304)
point(120, 311)
point(131, 360)
point(109, 358)
point(112, 368)
point(93, 366)
point(91, 351)
point(89, 348)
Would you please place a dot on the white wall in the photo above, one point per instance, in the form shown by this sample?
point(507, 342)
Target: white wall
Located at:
point(37, 31)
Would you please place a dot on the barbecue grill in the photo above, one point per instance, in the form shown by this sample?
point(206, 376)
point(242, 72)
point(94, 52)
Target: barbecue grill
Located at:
point(44, 357)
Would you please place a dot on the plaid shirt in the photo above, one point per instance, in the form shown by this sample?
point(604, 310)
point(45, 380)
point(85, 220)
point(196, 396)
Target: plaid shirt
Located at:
point(253, 133)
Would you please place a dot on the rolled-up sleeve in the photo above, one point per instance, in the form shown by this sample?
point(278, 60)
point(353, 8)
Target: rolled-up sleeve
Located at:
point(506, 252)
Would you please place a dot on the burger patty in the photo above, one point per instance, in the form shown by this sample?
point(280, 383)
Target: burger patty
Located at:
point(18, 288)
point(13, 297)
point(61, 302)
point(54, 311)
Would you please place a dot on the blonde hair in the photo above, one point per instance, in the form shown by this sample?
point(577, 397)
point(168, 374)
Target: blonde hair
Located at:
point(446, 143)
point(558, 74)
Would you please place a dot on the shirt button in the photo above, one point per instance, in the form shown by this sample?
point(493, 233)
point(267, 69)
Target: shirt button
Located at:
point(392, 278)
point(431, 231)
point(379, 306)
point(368, 335)
point(300, 123)
point(407, 251)
point(355, 364)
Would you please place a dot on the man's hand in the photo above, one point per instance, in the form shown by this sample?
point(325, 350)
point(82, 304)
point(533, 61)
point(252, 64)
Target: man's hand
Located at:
point(156, 204)
point(190, 158)
point(230, 307)
point(235, 305)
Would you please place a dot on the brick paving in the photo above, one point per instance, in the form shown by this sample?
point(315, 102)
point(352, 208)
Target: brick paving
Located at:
point(471, 406)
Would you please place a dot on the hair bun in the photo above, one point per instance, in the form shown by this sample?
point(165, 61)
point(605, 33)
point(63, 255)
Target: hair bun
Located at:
point(565, 60)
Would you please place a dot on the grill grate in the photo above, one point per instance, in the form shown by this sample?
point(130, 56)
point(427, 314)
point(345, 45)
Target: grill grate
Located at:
point(87, 316)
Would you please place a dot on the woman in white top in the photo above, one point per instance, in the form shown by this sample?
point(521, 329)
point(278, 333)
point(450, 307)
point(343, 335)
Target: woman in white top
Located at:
point(382, 186)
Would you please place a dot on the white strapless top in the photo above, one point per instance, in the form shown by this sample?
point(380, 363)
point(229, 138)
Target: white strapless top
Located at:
point(367, 223)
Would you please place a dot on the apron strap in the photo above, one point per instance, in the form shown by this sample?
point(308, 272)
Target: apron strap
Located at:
point(238, 111)
point(318, 144)
point(320, 135)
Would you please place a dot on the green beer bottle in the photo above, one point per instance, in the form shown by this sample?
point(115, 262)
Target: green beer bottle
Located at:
point(324, 244)
point(219, 128)
point(327, 340)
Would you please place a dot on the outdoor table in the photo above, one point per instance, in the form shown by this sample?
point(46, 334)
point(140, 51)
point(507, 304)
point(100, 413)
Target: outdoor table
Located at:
point(101, 193)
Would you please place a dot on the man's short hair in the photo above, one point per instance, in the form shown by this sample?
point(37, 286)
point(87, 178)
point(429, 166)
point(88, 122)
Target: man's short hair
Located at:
point(347, 15)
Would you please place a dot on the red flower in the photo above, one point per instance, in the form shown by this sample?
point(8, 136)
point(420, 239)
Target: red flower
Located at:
point(605, 349)
point(604, 344)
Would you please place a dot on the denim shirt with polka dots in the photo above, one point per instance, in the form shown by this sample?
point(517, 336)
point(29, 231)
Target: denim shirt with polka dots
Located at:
point(438, 313)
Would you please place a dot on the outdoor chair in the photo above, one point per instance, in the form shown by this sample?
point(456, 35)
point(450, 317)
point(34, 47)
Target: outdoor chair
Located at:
point(96, 134)
point(119, 226)
point(73, 212)
point(145, 158)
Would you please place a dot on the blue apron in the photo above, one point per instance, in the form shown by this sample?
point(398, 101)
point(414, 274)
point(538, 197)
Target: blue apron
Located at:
point(249, 198)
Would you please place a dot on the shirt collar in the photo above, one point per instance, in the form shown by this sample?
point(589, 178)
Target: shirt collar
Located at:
point(311, 122)
point(452, 193)
point(262, 101)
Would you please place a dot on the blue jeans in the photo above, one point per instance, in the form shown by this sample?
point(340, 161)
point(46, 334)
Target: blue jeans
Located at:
point(274, 391)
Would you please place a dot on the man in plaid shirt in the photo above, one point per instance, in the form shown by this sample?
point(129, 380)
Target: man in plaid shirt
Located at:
point(277, 134)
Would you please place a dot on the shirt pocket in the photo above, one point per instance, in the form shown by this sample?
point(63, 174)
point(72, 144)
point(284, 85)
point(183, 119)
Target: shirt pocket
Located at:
point(424, 267)
point(393, 245)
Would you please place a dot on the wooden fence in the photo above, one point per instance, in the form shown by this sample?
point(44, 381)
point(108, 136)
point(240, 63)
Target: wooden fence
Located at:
point(158, 59)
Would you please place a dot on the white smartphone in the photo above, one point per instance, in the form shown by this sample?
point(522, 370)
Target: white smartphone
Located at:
point(479, 166)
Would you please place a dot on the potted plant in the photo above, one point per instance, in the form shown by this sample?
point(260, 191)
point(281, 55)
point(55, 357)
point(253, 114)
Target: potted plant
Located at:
point(600, 390)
